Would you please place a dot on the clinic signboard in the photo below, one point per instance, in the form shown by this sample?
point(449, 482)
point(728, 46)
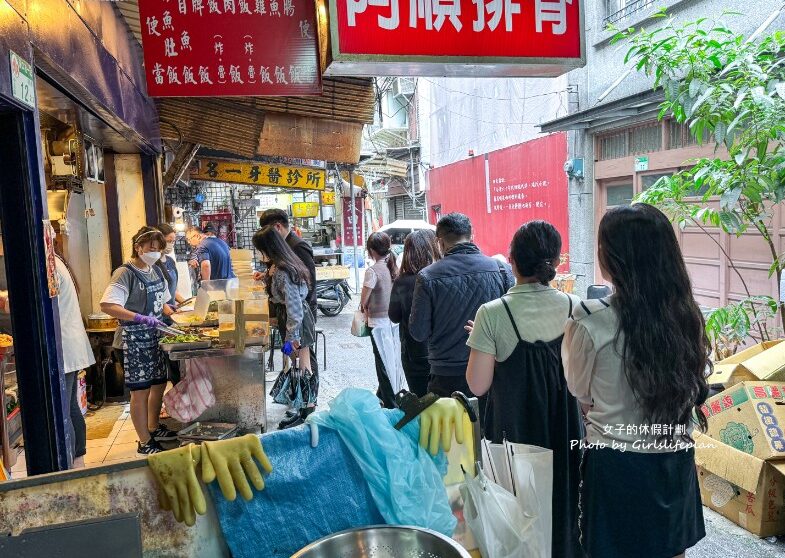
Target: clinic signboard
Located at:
point(481, 38)
point(258, 174)
point(205, 48)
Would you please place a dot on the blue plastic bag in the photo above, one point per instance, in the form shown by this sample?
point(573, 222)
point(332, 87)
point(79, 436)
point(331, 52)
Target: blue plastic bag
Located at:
point(405, 481)
point(311, 493)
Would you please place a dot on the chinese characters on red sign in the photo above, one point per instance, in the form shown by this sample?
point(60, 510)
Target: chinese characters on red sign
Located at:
point(348, 231)
point(515, 196)
point(511, 186)
point(202, 48)
point(544, 32)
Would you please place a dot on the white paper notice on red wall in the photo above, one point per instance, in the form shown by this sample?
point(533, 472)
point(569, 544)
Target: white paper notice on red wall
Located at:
point(206, 48)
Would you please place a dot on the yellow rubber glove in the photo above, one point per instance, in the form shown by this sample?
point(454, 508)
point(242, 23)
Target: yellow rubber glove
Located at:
point(439, 421)
point(230, 461)
point(178, 486)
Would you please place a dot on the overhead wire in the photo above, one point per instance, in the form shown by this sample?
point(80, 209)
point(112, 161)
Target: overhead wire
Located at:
point(525, 97)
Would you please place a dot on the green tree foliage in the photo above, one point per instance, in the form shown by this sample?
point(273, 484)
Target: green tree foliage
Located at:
point(729, 91)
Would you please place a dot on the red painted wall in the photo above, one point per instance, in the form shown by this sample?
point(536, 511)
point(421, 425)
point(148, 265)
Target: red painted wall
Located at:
point(525, 182)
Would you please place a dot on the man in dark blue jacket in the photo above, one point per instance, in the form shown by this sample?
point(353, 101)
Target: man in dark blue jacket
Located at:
point(447, 294)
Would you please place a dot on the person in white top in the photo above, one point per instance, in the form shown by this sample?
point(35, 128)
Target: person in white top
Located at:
point(375, 304)
point(138, 295)
point(77, 355)
point(516, 359)
point(637, 362)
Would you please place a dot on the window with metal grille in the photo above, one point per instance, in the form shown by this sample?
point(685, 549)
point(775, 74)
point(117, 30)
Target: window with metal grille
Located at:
point(646, 139)
point(614, 146)
point(631, 141)
point(679, 135)
point(617, 10)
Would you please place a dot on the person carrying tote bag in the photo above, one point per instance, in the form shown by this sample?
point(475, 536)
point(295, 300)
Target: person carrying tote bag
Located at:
point(375, 304)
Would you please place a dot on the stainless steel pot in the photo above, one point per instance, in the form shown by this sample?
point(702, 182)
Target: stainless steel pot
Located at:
point(384, 541)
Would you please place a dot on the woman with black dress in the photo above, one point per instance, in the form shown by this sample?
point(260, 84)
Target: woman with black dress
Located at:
point(419, 251)
point(516, 359)
point(637, 361)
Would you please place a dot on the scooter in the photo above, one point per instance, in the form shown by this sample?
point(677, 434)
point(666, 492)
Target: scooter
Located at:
point(332, 295)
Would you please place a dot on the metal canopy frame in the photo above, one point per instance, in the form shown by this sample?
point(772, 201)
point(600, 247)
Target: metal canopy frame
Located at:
point(635, 106)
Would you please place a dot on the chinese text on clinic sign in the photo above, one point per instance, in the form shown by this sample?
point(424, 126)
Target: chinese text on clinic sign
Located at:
point(230, 47)
point(509, 37)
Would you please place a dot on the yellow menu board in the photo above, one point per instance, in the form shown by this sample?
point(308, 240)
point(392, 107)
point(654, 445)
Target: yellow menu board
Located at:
point(262, 174)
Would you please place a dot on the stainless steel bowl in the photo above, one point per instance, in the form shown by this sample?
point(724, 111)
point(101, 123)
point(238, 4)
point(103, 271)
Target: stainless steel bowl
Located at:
point(384, 541)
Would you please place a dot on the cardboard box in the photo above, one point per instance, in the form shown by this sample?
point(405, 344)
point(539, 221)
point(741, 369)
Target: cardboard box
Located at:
point(747, 490)
point(750, 417)
point(764, 361)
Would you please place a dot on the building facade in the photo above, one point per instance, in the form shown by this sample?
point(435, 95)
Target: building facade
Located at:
point(613, 128)
point(79, 147)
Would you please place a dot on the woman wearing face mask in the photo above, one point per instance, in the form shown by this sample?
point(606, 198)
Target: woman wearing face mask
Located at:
point(168, 262)
point(137, 295)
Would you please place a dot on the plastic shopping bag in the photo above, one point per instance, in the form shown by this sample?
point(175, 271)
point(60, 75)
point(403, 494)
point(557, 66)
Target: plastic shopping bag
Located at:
point(494, 459)
point(193, 395)
point(359, 325)
point(531, 470)
point(282, 391)
point(526, 472)
point(388, 341)
point(495, 518)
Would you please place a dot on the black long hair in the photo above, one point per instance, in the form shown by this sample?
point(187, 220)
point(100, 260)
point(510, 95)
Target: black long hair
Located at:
point(535, 249)
point(380, 243)
point(269, 242)
point(665, 348)
point(419, 251)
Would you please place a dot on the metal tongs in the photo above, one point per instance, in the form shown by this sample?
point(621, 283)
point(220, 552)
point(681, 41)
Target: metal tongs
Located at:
point(170, 330)
point(185, 303)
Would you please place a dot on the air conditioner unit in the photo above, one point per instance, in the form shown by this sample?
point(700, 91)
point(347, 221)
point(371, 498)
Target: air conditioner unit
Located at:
point(403, 87)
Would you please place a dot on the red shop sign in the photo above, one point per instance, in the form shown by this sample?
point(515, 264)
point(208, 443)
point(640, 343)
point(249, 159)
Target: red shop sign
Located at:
point(206, 48)
point(348, 231)
point(482, 38)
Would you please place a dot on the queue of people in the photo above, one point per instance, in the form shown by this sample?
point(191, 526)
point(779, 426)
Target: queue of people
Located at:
point(575, 376)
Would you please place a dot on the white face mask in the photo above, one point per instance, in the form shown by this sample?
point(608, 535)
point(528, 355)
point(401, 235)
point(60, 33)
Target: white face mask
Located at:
point(150, 257)
point(169, 248)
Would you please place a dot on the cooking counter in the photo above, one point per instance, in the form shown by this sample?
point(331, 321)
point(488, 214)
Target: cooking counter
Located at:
point(238, 383)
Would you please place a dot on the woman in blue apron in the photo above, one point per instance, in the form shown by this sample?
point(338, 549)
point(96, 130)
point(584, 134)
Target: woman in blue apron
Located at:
point(516, 359)
point(137, 295)
point(168, 264)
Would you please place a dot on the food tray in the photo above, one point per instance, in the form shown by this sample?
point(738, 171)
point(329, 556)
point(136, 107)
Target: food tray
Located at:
point(188, 319)
point(193, 346)
point(208, 431)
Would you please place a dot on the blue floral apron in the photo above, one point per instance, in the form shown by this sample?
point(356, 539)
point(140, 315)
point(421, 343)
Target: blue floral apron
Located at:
point(144, 362)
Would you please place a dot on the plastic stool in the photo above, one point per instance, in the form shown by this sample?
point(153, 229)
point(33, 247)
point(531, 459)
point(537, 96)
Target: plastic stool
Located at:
point(320, 331)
